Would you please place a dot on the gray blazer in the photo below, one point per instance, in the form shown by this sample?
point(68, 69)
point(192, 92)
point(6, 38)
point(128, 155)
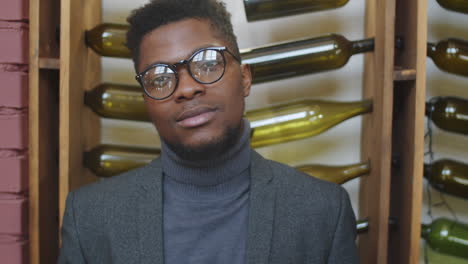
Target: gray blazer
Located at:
point(293, 218)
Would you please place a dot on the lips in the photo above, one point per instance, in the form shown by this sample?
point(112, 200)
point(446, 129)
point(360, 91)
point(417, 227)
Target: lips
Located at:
point(196, 116)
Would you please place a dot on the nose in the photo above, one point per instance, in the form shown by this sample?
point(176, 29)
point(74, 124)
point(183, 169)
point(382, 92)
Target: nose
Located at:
point(187, 87)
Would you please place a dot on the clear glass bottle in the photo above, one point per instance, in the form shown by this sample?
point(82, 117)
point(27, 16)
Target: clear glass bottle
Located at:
point(449, 113)
point(448, 176)
point(264, 9)
point(450, 55)
point(270, 125)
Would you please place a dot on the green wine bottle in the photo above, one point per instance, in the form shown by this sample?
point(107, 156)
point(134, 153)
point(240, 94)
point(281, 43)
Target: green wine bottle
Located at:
point(263, 9)
point(270, 125)
point(450, 55)
point(455, 5)
point(300, 57)
point(449, 113)
point(268, 63)
point(448, 176)
point(447, 236)
point(109, 160)
point(108, 40)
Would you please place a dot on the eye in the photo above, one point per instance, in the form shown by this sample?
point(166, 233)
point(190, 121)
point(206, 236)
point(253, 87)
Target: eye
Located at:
point(208, 66)
point(161, 81)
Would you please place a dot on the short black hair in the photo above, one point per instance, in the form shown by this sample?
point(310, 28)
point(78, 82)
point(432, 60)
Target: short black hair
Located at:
point(162, 12)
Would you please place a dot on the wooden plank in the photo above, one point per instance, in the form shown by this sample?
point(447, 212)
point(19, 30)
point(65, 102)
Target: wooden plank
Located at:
point(408, 139)
point(43, 130)
point(377, 131)
point(79, 70)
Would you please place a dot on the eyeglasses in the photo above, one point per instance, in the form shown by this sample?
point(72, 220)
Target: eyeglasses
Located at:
point(206, 66)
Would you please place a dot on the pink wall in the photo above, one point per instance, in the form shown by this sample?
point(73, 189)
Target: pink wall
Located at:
point(14, 54)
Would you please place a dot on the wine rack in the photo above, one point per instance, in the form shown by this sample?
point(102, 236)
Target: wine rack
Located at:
point(63, 127)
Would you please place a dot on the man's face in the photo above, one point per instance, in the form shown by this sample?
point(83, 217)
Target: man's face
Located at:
point(197, 118)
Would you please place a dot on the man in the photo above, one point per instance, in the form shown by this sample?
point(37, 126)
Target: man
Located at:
point(209, 198)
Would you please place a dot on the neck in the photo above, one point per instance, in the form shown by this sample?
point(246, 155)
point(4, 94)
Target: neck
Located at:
point(209, 172)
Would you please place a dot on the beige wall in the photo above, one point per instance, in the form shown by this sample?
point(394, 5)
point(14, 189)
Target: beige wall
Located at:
point(340, 145)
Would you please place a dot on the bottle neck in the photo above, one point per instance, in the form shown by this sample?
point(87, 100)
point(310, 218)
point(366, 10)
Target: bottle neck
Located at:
point(425, 231)
point(429, 108)
point(364, 45)
point(427, 171)
point(362, 226)
point(431, 49)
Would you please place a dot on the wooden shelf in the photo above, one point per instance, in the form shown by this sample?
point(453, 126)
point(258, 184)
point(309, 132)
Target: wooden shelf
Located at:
point(62, 128)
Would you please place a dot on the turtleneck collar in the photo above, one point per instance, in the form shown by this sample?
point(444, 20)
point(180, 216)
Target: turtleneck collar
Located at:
point(211, 172)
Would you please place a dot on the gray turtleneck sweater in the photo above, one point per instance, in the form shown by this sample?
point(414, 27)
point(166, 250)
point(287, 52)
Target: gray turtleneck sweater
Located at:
point(206, 206)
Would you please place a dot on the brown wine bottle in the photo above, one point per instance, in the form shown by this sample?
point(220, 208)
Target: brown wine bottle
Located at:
point(448, 176)
point(268, 63)
point(455, 5)
point(109, 160)
point(270, 125)
point(263, 9)
point(449, 113)
point(450, 55)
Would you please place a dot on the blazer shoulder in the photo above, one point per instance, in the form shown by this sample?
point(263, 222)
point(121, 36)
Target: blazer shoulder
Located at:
point(120, 186)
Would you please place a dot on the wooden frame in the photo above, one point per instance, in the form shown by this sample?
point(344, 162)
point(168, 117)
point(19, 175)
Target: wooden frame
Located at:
point(394, 80)
point(80, 70)
point(43, 130)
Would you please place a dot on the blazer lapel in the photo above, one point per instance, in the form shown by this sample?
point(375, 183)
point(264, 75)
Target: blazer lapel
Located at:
point(149, 218)
point(261, 211)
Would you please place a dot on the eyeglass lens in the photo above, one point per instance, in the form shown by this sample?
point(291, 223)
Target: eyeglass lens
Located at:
point(206, 66)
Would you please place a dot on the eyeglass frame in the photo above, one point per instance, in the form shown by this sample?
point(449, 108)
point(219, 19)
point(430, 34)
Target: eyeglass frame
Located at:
point(173, 67)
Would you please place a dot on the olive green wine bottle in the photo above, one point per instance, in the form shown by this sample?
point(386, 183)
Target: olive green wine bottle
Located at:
point(448, 176)
point(455, 5)
point(450, 55)
point(447, 237)
point(263, 9)
point(108, 40)
point(268, 63)
point(304, 56)
point(449, 113)
point(270, 125)
point(110, 160)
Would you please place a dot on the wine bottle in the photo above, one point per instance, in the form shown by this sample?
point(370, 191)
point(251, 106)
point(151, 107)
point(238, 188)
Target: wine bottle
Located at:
point(448, 176)
point(447, 237)
point(109, 160)
point(336, 174)
point(270, 125)
point(450, 55)
point(117, 101)
point(300, 57)
point(109, 40)
point(268, 63)
point(263, 9)
point(449, 113)
point(455, 5)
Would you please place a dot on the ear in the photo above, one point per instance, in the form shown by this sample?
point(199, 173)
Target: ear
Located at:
point(246, 79)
